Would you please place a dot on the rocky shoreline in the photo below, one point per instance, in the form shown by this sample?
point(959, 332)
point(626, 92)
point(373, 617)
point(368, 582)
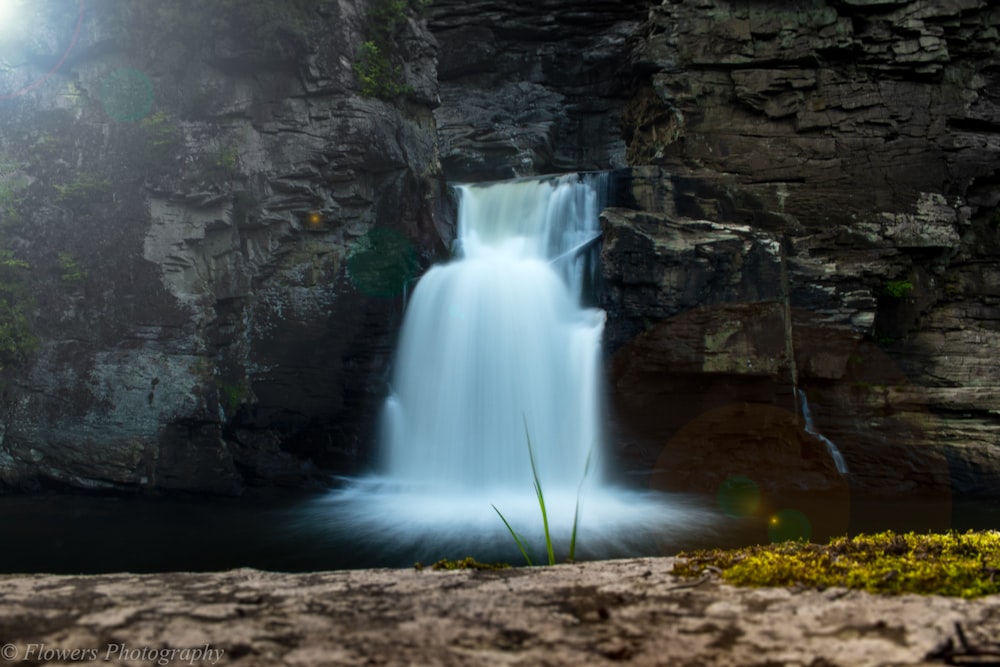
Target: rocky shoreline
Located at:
point(599, 613)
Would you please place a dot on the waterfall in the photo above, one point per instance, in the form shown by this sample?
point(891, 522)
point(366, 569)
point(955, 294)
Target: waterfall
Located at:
point(838, 458)
point(497, 342)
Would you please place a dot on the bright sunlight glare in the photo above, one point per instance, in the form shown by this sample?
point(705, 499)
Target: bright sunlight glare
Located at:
point(8, 12)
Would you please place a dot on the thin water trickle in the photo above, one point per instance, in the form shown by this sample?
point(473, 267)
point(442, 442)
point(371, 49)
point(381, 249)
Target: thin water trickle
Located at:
point(810, 427)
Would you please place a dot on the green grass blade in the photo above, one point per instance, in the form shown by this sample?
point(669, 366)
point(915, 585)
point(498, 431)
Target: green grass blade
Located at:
point(576, 512)
point(541, 496)
point(517, 538)
point(545, 524)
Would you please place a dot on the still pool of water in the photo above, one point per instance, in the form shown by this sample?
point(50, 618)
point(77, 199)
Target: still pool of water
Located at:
point(92, 534)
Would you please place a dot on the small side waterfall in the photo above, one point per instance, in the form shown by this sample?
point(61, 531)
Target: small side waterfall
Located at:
point(838, 458)
point(497, 341)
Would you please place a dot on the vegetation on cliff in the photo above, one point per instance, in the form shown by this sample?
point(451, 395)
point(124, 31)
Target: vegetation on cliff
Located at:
point(17, 340)
point(376, 67)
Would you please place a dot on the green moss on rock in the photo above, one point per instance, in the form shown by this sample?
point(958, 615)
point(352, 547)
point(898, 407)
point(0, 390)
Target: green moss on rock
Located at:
point(467, 563)
point(955, 564)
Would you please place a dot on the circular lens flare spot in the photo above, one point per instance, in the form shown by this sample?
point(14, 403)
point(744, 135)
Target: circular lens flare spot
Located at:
point(738, 497)
point(789, 525)
point(127, 95)
point(382, 263)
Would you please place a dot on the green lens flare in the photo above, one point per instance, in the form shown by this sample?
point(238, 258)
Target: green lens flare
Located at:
point(127, 95)
point(382, 263)
point(738, 497)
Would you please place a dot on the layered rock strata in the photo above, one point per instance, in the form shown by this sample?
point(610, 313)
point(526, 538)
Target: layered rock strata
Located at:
point(817, 213)
point(218, 230)
point(532, 87)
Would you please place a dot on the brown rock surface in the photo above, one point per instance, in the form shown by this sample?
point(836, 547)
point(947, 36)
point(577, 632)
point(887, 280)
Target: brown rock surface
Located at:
point(816, 209)
point(601, 613)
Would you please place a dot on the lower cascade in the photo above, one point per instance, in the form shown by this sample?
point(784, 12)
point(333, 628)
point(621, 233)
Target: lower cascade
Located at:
point(498, 347)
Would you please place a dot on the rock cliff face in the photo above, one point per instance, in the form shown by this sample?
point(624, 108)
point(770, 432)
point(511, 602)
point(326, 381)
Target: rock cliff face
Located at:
point(532, 87)
point(217, 228)
point(817, 190)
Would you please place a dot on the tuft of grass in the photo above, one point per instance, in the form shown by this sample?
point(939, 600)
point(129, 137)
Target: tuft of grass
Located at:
point(162, 134)
point(955, 564)
point(17, 338)
point(377, 59)
point(84, 190)
point(540, 497)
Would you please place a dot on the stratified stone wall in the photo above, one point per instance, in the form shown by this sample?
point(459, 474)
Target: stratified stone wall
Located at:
point(532, 86)
point(817, 189)
point(219, 229)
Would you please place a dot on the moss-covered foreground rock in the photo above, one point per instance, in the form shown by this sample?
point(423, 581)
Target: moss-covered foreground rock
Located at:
point(958, 564)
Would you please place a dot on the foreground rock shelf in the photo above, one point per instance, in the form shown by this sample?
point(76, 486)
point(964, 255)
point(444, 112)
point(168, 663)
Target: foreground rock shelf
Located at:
point(611, 612)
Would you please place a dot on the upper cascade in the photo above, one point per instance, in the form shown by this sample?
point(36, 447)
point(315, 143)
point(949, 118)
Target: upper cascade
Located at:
point(549, 218)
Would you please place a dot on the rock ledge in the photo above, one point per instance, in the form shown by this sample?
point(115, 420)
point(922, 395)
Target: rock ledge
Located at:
point(632, 611)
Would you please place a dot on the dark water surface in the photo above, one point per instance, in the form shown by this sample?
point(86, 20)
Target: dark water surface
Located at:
point(92, 534)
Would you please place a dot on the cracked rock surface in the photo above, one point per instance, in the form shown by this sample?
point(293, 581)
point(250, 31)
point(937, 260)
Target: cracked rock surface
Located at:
point(600, 613)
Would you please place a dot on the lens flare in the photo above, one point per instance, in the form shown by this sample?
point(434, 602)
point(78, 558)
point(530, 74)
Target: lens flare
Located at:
point(738, 497)
point(8, 13)
point(789, 524)
point(11, 26)
point(382, 263)
point(127, 95)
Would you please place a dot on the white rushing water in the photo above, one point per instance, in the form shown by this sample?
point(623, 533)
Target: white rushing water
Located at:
point(832, 449)
point(497, 345)
point(497, 341)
